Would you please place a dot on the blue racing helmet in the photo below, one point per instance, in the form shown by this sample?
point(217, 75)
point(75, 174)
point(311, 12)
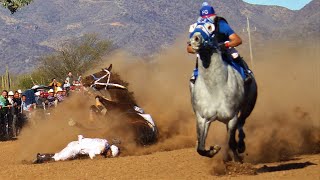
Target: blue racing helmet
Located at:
point(206, 11)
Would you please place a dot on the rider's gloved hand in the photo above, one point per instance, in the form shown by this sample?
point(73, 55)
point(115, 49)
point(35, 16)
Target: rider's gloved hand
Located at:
point(224, 46)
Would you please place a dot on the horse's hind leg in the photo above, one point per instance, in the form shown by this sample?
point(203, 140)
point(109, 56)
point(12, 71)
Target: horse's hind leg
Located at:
point(251, 98)
point(202, 132)
point(232, 127)
point(241, 144)
point(245, 113)
point(241, 121)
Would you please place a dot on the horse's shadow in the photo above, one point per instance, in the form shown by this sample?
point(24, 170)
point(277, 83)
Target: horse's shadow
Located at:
point(284, 167)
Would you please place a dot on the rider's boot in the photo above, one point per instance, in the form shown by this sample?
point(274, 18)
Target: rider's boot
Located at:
point(194, 75)
point(41, 158)
point(247, 71)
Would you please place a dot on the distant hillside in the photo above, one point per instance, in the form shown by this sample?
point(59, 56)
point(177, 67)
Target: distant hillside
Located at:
point(140, 26)
point(307, 20)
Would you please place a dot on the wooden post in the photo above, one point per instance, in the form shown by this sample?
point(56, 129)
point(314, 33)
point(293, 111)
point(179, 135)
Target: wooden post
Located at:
point(250, 47)
point(7, 79)
point(2, 82)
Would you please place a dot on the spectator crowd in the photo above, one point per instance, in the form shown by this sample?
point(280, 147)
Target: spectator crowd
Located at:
point(16, 107)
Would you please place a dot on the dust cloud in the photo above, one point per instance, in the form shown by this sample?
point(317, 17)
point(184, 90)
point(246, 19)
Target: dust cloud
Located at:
point(161, 87)
point(50, 132)
point(285, 121)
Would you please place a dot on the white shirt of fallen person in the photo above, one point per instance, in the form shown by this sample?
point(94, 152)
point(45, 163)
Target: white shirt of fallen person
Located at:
point(84, 146)
point(89, 146)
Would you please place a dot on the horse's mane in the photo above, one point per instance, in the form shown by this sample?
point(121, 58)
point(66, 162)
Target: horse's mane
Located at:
point(121, 95)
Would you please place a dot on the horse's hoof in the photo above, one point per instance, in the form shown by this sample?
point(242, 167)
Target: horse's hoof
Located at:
point(241, 147)
point(238, 159)
point(211, 152)
point(227, 157)
point(214, 150)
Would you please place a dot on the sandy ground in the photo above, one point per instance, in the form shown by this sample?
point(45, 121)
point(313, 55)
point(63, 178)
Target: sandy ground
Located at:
point(177, 164)
point(284, 124)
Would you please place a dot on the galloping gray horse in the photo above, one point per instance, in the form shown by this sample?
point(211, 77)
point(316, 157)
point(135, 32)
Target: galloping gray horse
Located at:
point(219, 93)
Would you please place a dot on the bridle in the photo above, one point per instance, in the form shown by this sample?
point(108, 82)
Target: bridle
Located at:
point(106, 84)
point(206, 28)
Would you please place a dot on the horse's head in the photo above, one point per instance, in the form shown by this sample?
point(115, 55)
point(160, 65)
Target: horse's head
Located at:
point(202, 36)
point(112, 82)
point(102, 80)
point(88, 81)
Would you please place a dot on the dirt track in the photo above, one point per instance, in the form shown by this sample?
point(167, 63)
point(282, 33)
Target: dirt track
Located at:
point(177, 164)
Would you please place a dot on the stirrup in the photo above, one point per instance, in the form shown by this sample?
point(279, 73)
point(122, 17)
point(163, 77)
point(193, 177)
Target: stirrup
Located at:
point(248, 78)
point(193, 79)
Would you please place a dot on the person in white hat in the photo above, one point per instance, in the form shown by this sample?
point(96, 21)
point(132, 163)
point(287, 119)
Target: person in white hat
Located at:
point(10, 114)
point(20, 93)
point(10, 97)
point(40, 100)
point(59, 94)
point(59, 89)
point(51, 98)
point(84, 146)
point(51, 91)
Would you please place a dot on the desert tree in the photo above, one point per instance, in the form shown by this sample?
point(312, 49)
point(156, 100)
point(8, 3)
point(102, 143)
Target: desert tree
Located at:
point(13, 5)
point(76, 56)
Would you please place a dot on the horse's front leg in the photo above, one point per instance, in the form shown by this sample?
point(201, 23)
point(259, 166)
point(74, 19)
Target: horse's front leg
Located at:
point(232, 127)
point(202, 132)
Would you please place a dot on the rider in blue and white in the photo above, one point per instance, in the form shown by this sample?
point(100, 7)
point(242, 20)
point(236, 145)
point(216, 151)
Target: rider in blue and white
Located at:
point(225, 36)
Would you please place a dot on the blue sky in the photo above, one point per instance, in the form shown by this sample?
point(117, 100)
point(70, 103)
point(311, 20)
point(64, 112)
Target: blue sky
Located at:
point(290, 4)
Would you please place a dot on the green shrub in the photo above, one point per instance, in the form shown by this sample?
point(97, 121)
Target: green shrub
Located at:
point(13, 5)
point(76, 56)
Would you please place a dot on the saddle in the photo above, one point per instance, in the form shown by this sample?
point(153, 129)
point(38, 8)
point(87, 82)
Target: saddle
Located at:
point(228, 59)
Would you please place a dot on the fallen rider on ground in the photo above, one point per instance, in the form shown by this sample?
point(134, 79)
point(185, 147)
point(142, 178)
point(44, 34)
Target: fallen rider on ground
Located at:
point(84, 146)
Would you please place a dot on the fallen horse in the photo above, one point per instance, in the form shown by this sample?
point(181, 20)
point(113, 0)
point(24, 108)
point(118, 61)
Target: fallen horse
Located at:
point(121, 107)
point(132, 116)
